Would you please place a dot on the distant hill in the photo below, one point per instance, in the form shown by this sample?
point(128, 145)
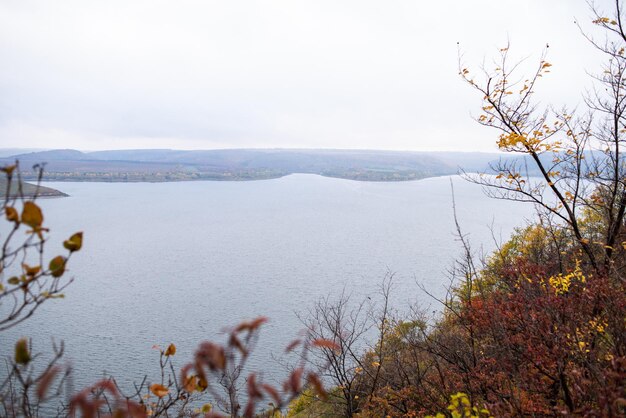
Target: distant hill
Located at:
point(8, 152)
point(248, 164)
point(52, 155)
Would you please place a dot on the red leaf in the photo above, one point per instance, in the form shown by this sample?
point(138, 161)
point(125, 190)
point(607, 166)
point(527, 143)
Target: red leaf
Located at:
point(292, 345)
point(273, 393)
point(45, 381)
point(324, 343)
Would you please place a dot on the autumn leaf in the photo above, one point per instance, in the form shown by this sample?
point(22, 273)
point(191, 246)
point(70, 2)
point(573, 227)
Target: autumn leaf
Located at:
point(159, 390)
point(212, 355)
point(191, 383)
point(269, 389)
point(252, 325)
point(31, 215)
point(45, 381)
point(31, 271)
point(324, 343)
point(202, 384)
point(316, 383)
point(294, 384)
point(75, 242)
point(22, 355)
point(252, 387)
point(171, 350)
point(57, 266)
point(292, 346)
point(11, 214)
point(8, 169)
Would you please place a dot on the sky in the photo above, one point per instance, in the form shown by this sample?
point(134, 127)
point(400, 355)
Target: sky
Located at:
point(206, 74)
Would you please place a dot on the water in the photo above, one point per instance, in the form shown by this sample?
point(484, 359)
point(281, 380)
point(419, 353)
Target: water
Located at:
point(178, 262)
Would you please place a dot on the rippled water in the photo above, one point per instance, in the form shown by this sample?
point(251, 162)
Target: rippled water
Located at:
point(177, 262)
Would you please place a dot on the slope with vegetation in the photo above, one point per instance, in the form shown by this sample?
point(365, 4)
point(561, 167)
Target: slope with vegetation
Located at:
point(536, 329)
point(539, 327)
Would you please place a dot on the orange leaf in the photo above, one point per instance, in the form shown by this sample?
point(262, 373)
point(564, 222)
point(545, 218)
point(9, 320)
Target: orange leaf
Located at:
point(191, 383)
point(171, 350)
point(30, 271)
point(159, 390)
point(11, 214)
point(324, 343)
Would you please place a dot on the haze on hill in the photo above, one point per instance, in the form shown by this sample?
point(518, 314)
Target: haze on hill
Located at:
point(246, 164)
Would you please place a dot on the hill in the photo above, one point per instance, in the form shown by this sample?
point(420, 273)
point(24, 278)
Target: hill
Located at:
point(248, 164)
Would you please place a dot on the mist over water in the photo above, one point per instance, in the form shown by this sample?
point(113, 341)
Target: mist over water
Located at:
point(179, 262)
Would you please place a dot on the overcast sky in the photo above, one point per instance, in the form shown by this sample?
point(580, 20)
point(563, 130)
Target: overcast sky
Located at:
point(292, 74)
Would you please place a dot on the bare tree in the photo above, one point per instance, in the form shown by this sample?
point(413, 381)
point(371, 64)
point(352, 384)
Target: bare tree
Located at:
point(359, 330)
point(569, 164)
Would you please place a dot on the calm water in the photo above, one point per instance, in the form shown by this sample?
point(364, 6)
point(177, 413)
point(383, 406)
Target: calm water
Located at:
point(177, 262)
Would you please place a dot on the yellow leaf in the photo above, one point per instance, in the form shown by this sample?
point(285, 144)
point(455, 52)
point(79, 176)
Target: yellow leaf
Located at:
point(22, 355)
point(202, 384)
point(206, 408)
point(75, 242)
point(31, 215)
point(171, 350)
point(8, 169)
point(159, 390)
point(57, 266)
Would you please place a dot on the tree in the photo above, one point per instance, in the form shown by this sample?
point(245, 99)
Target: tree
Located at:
point(348, 325)
point(537, 329)
point(578, 159)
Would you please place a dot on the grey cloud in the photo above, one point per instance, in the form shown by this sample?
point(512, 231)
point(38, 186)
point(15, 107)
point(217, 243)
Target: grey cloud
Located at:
point(198, 74)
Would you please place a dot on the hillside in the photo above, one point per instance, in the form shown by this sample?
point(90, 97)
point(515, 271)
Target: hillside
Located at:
point(248, 164)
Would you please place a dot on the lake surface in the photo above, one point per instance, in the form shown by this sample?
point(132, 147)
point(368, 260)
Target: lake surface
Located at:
point(178, 262)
